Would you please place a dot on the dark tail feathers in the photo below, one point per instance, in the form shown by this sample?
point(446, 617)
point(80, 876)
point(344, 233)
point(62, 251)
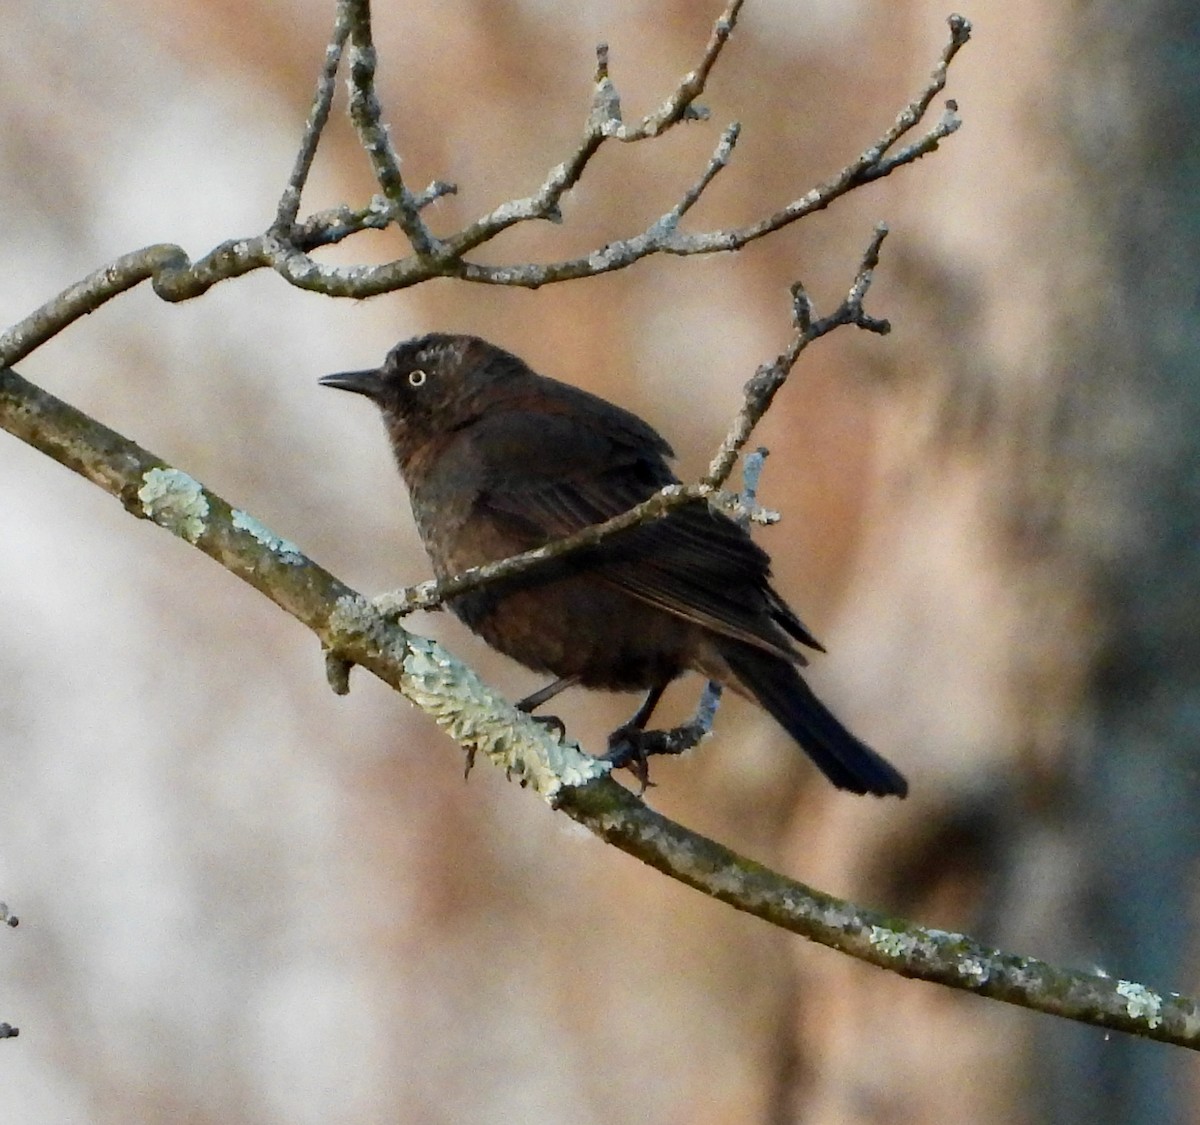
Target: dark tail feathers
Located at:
point(783, 694)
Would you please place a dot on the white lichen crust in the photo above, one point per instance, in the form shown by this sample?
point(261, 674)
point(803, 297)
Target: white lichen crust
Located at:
point(468, 710)
point(1141, 1003)
point(175, 501)
point(287, 553)
point(974, 970)
point(892, 943)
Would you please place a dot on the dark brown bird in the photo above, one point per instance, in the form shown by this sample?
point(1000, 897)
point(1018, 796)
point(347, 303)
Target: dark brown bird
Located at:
point(499, 460)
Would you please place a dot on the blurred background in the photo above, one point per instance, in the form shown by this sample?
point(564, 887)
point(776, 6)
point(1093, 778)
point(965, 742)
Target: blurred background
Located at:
point(244, 899)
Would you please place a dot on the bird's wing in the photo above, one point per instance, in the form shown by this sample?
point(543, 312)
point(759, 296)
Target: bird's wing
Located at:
point(695, 563)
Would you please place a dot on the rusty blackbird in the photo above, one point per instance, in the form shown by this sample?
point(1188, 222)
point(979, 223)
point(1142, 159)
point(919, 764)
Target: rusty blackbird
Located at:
point(499, 459)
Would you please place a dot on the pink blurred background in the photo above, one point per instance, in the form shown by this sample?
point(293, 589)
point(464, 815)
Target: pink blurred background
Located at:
point(246, 899)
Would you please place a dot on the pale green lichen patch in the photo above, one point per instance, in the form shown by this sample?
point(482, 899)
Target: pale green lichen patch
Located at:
point(891, 943)
point(175, 501)
point(468, 710)
point(287, 553)
point(1141, 1002)
point(355, 616)
point(974, 970)
point(475, 717)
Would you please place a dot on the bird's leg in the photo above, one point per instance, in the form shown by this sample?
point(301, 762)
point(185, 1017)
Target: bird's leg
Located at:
point(551, 722)
point(640, 717)
point(627, 744)
point(531, 702)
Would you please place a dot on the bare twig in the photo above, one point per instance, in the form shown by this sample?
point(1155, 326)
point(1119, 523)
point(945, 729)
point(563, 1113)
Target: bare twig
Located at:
point(367, 115)
point(680, 106)
point(289, 203)
point(912, 114)
point(663, 235)
point(687, 736)
point(759, 393)
point(429, 595)
point(669, 223)
point(604, 121)
point(287, 246)
point(446, 257)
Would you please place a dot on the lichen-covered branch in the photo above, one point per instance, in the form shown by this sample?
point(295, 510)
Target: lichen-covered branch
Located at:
point(937, 956)
point(578, 785)
point(344, 621)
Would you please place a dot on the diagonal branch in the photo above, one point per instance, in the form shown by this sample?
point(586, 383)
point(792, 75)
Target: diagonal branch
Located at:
point(289, 203)
point(680, 105)
point(343, 620)
point(950, 959)
point(431, 594)
point(571, 781)
point(367, 115)
point(761, 390)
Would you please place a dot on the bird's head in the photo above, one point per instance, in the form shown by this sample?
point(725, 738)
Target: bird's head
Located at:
point(430, 385)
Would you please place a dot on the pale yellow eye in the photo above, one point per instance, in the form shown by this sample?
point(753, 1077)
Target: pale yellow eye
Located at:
point(417, 378)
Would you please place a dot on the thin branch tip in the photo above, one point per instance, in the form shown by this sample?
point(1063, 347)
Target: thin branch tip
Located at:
point(337, 672)
point(802, 308)
point(960, 28)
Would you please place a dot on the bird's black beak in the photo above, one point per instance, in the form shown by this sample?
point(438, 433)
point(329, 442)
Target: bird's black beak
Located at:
point(366, 383)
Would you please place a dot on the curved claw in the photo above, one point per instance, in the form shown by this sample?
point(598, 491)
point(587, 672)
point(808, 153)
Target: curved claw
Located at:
point(630, 747)
point(553, 724)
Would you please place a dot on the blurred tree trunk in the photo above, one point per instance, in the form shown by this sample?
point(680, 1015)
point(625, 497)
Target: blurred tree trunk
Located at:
point(1051, 331)
point(1135, 404)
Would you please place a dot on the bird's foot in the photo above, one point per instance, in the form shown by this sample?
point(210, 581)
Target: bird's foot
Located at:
point(627, 749)
point(553, 724)
point(630, 747)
